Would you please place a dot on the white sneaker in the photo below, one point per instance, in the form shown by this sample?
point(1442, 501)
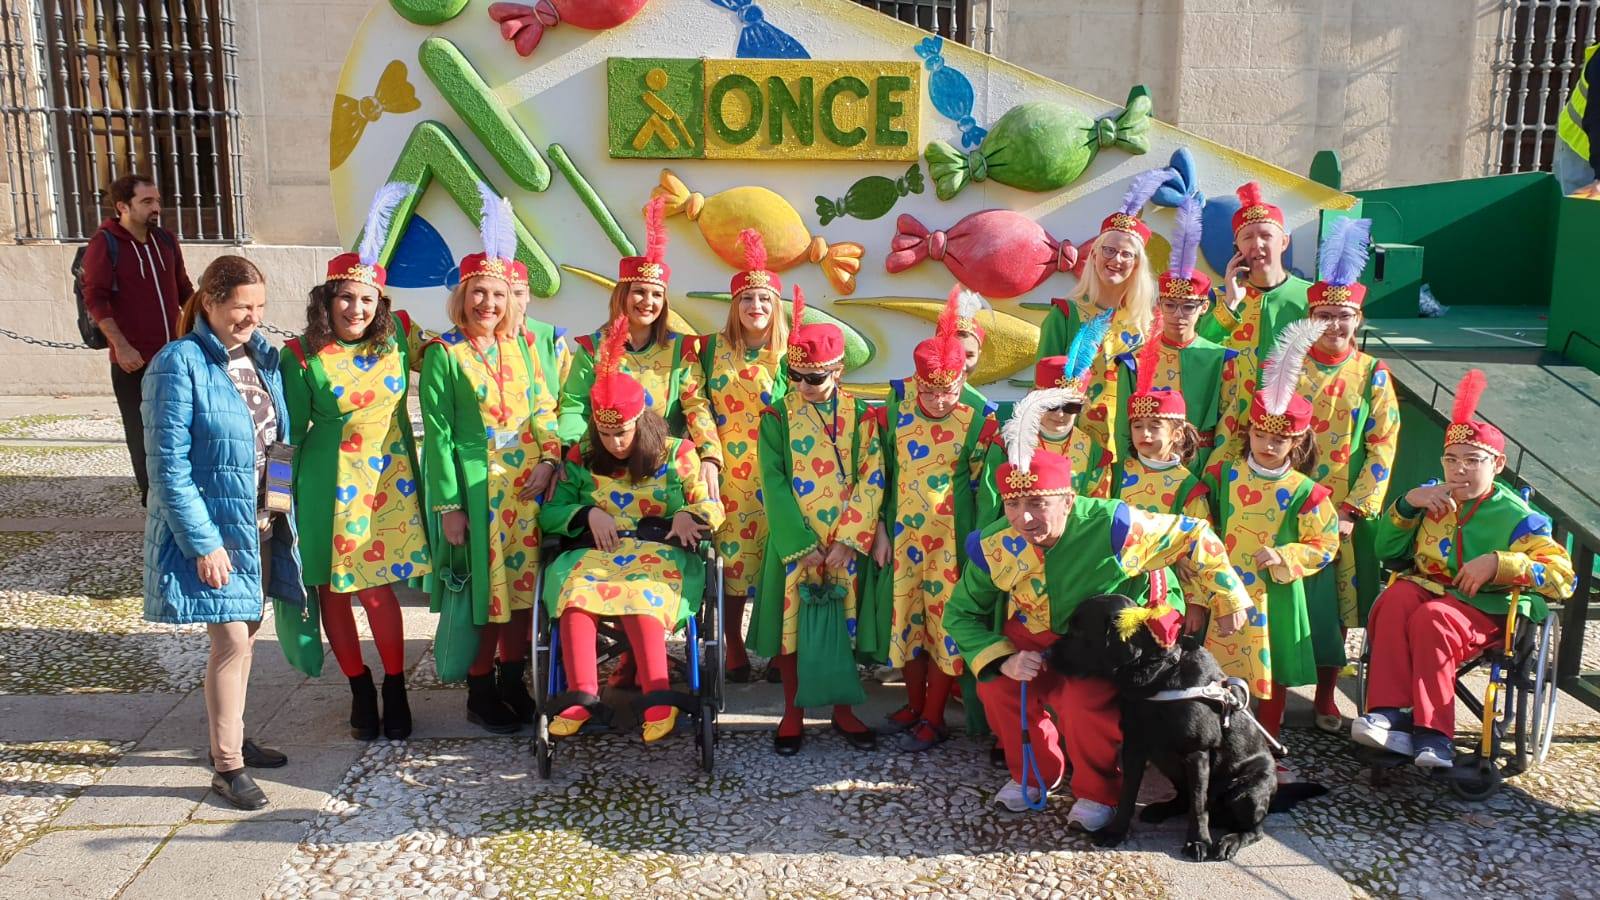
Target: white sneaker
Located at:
point(1374, 732)
point(1430, 758)
point(1087, 815)
point(1012, 797)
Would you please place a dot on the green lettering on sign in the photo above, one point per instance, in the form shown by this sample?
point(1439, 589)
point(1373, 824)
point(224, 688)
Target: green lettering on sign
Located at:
point(853, 86)
point(888, 109)
point(714, 108)
point(794, 106)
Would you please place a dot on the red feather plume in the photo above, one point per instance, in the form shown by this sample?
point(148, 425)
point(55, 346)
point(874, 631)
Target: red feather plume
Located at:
point(655, 231)
point(1249, 195)
point(798, 307)
point(951, 311)
point(1468, 393)
point(612, 348)
point(755, 250)
point(1149, 358)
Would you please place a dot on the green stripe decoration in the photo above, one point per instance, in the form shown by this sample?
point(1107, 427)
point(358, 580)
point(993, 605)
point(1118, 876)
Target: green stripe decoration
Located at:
point(432, 152)
point(591, 199)
point(474, 101)
point(858, 349)
point(428, 12)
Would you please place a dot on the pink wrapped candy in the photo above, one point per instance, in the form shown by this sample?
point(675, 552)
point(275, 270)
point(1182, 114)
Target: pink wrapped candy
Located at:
point(996, 252)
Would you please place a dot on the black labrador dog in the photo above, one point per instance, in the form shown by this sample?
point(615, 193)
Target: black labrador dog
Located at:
point(1219, 761)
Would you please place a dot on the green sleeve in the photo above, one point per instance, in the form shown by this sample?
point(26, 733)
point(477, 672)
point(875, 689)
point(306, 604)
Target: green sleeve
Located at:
point(1212, 327)
point(573, 492)
point(297, 396)
point(1395, 532)
point(970, 617)
point(437, 393)
point(1055, 334)
point(573, 422)
point(795, 538)
point(990, 509)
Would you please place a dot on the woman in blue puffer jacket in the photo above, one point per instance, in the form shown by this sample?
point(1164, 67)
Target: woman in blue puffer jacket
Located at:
point(213, 405)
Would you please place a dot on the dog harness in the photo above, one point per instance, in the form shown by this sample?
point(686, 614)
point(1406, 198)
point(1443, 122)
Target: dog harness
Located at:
point(1233, 696)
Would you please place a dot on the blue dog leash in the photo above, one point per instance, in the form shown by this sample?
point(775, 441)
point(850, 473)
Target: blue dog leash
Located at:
point(1030, 765)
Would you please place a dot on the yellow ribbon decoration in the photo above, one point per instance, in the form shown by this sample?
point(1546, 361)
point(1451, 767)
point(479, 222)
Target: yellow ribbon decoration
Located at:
point(351, 116)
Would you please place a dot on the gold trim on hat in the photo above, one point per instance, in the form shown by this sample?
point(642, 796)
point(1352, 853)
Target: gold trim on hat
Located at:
point(652, 272)
point(1336, 295)
point(361, 272)
point(1277, 424)
point(1123, 222)
point(757, 278)
point(1024, 484)
point(1467, 433)
point(1145, 407)
point(1180, 289)
point(612, 418)
point(941, 378)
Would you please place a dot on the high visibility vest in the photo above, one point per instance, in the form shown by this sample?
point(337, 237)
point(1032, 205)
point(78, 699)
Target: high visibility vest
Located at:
point(1571, 127)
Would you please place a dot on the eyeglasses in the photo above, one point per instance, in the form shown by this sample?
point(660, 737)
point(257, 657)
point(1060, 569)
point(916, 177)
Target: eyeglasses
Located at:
point(815, 379)
point(1070, 409)
point(1336, 317)
point(1182, 310)
point(1112, 254)
point(1466, 462)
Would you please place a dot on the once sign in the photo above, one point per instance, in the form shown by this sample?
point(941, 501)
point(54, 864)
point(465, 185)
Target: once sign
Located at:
point(763, 109)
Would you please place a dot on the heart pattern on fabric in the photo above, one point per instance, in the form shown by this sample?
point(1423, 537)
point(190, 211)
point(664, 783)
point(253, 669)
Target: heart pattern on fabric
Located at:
point(352, 444)
point(345, 493)
point(406, 487)
point(803, 487)
point(1013, 545)
point(918, 450)
point(374, 553)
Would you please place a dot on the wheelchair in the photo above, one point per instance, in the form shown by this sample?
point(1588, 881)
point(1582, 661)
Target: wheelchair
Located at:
point(1517, 708)
point(703, 668)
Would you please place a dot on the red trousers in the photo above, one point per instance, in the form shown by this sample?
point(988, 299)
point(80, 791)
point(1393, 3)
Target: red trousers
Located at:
point(1086, 707)
point(1418, 642)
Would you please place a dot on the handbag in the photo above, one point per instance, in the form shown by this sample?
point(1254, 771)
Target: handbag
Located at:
point(455, 641)
point(300, 633)
point(826, 660)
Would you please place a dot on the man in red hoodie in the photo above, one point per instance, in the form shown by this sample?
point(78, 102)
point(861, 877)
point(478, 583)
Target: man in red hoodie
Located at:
point(133, 292)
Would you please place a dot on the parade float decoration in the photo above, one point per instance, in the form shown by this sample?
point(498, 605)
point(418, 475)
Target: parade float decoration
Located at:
point(817, 123)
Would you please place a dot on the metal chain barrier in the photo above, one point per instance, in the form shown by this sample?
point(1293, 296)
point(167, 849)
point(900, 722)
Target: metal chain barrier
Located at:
point(75, 345)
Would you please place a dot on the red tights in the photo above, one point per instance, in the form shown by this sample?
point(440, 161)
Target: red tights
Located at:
point(648, 641)
point(794, 718)
point(507, 641)
point(928, 691)
point(383, 615)
point(733, 632)
point(1270, 712)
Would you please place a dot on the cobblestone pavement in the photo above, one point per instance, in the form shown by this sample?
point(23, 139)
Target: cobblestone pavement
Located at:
point(453, 813)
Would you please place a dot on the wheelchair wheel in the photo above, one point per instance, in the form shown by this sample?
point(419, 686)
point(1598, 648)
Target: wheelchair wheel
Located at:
point(543, 752)
point(1361, 671)
point(1542, 721)
point(706, 737)
point(1479, 782)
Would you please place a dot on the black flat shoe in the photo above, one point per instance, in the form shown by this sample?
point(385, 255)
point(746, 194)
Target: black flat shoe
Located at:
point(997, 757)
point(786, 746)
point(239, 789)
point(861, 740)
point(259, 757)
point(773, 676)
point(740, 675)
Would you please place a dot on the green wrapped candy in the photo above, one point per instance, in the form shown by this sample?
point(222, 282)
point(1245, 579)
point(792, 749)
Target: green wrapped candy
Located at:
point(1040, 146)
point(871, 197)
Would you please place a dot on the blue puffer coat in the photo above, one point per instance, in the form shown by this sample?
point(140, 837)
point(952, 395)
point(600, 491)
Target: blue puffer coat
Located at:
point(200, 448)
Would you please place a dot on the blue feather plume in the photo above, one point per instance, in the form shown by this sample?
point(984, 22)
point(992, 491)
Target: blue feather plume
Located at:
point(1144, 186)
point(1086, 344)
point(1187, 231)
point(1343, 254)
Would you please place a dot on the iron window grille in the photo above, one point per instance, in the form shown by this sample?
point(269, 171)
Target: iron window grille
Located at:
point(1537, 54)
point(951, 19)
point(94, 89)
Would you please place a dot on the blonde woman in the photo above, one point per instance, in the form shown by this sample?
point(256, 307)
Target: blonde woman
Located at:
point(744, 372)
point(1117, 277)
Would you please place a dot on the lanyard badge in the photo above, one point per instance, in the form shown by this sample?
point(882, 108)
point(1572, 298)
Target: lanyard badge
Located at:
point(280, 478)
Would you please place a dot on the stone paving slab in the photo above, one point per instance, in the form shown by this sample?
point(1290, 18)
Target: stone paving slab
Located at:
point(297, 791)
point(39, 779)
point(76, 717)
point(249, 853)
point(83, 864)
point(146, 787)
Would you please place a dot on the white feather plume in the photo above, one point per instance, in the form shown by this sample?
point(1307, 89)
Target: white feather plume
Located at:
point(496, 224)
point(1280, 379)
point(379, 215)
point(1021, 431)
point(970, 303)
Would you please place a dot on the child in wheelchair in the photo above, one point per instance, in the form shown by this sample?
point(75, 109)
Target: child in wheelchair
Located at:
point(1473, 541)
point(633, 506)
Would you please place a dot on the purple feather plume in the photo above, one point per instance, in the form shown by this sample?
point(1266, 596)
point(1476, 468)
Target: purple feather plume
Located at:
point(1188, 237)
point(1343, 254)
point(1144, 186)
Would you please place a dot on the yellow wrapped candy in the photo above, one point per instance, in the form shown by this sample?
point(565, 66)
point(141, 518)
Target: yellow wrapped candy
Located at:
point(722, 216)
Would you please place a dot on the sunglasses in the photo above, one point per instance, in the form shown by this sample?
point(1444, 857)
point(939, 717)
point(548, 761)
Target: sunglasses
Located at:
point(815, 379)
point(1069, 408)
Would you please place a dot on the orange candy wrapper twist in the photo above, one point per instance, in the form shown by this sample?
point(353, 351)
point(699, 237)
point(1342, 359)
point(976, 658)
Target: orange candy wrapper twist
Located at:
point(723, 216)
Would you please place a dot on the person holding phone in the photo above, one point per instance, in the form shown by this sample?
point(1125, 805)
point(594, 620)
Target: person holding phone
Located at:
point(1258, 296)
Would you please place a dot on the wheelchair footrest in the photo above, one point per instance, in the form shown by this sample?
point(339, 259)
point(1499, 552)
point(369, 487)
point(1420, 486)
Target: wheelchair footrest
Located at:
point(686, 702)
point(600, 713)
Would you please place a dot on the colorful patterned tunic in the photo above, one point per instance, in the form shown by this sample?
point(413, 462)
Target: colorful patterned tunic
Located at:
point(1207, 375)
point(941, 473)
point(1501, 523)
point(1356, 421)
point(1171, 490)
point(488, 421)
point(357, 503)
point(639, 577)
point(1087, 480)
point(1291, 514)
point(1100, 409)
point(1107, 547)
point(739, 385)
point(1262, 315)
point(822, 479)
point(670, 374)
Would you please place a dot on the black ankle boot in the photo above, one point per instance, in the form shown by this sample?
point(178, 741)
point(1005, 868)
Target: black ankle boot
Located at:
point(363, 707)
point(396, 709)
point(485, 708)
point(514, 691)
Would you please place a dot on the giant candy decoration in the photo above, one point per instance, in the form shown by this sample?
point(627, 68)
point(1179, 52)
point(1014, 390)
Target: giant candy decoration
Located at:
point(524, 25)
point(1010, 341)
point(997, 252)
point(870, 198)
point(1040, 146)
point(722, 216)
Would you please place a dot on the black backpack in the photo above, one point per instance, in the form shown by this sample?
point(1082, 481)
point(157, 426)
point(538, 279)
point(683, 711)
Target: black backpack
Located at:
point(93, 338)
